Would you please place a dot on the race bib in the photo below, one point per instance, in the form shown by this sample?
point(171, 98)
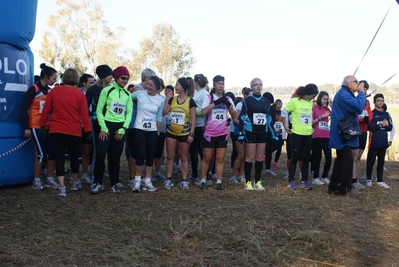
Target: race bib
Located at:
point(117, 108)
point(278, 127)
point(177, 118)
point(219, 114)
point(41, 104)
point(363, 114)
point(323, 125)
point(259, 119)
point(148, 123)
point(305, 119)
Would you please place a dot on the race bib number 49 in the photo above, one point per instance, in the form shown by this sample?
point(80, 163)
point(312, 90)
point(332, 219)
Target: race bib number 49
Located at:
point(259, 119)
point(117, 108)
point(177, 118)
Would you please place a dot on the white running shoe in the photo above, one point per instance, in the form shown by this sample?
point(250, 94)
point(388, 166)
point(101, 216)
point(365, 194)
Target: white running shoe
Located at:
point(325, 180)
point(149, 187)
point(369, 183)
point(317, 181)
point(272, 173)
point(383, 185)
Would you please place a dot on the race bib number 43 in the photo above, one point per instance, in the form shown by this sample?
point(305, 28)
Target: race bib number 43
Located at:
point(177, 118)
point(117, 108)
point(259, 119)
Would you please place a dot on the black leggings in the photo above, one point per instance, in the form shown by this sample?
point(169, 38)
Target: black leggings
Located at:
point(62, 142)
point(114, 149)
point(318, 145)
point(371, 155)
point(278, 151)
point(300, 148)
point(195, 150)
point(146, 143)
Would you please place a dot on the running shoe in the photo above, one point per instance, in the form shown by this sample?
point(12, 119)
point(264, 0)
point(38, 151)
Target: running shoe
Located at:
point(76, 186)
point(52, 183)
point(37, 184)
point(233, 180)
point(317, 181)
point(184, 185)
point(62, 191)
point(203, 186)
point(219, 187)
point(383, 185)
point(168, 184)
point(275, 164)
point(149, 187)
point(85, 179)
point(114, 189)
point(96, 188)
point(248, 186)
point(305, 185)
point(369, 183)
point(131, 183)
point(137, 187)
point(292, 185)
point(357, 186)
point(272, 173)
point(160, 177)
point(325, 180)
point(286, 175)
point(119, 185)
point(258, 186)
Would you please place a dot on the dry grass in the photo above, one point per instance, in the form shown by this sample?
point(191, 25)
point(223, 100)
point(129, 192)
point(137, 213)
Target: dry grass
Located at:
point(234, 227)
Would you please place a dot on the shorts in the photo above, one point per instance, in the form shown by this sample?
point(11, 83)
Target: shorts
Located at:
point(179, 138)
point(363, 141)
point(253, 138)
point(215, 142)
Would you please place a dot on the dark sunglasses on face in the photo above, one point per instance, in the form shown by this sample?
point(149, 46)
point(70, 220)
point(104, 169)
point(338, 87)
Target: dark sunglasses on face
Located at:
point(124, 78)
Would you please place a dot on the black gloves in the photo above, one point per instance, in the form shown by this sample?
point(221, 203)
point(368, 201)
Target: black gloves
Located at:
point(43, 132)
point(218, 101)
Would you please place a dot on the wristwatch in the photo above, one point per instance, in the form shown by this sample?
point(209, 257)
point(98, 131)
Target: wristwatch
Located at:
point(192, 134)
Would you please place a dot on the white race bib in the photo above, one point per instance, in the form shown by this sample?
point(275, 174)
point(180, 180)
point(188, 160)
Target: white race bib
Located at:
point(177, 118)
point(323, 125)
point(363, 114)
point(41, 104)
point(278, 127)
point(148, 123)
point(219, 114)
point(305, 119)
point(259, 119)
point(117, 108)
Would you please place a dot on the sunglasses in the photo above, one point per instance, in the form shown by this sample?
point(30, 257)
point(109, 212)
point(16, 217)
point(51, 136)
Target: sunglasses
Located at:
point(124, 78)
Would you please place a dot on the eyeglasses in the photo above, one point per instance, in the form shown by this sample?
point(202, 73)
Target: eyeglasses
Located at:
point(124, 78)
point(354, 81)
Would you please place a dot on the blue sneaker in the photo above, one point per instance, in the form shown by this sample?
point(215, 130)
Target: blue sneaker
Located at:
point(96, 188)
point(292, 185)
point(305, 185)
point(115, 189)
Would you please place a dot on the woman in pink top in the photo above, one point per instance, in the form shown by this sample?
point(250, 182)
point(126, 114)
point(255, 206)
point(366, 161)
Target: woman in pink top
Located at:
point(216, 130)
point(321, 136)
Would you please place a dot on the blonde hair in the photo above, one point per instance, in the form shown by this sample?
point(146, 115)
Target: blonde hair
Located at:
point(71, 77)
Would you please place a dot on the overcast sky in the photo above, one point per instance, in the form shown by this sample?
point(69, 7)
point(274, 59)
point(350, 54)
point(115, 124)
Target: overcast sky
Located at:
point(287, 42)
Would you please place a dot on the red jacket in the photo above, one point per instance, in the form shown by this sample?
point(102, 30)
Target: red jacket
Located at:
point(365, 113)
point(67, 108)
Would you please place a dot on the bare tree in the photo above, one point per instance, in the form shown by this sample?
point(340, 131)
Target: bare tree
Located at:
point(165, 52)
point(78, 37)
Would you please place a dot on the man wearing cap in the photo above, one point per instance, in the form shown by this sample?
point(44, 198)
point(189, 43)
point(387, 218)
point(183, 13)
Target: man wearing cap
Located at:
point(345, 103)
point(114, 113)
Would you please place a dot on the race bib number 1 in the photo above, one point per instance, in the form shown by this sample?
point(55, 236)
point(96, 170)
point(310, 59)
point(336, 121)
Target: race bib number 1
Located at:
point(259, 119)
point(41, 106)
point(177, 118)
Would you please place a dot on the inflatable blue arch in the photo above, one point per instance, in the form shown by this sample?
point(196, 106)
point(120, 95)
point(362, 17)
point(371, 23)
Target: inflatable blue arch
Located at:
point(17, 155)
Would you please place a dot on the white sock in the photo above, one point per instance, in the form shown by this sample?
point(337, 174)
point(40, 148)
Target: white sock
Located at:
point(219, 181)
point(147, 180)
point(137, 178)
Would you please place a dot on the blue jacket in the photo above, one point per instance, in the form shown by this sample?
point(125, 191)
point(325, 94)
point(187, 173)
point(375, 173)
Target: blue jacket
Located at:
point(345, 103)
point(378, 134)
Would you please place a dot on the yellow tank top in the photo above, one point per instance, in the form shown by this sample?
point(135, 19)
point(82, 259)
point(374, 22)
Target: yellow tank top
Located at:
point(179, 118)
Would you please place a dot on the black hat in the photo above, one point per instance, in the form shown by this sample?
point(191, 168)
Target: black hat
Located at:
point(311, 89)
point(218, 78)
point(103, 71)
point(269, 97)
